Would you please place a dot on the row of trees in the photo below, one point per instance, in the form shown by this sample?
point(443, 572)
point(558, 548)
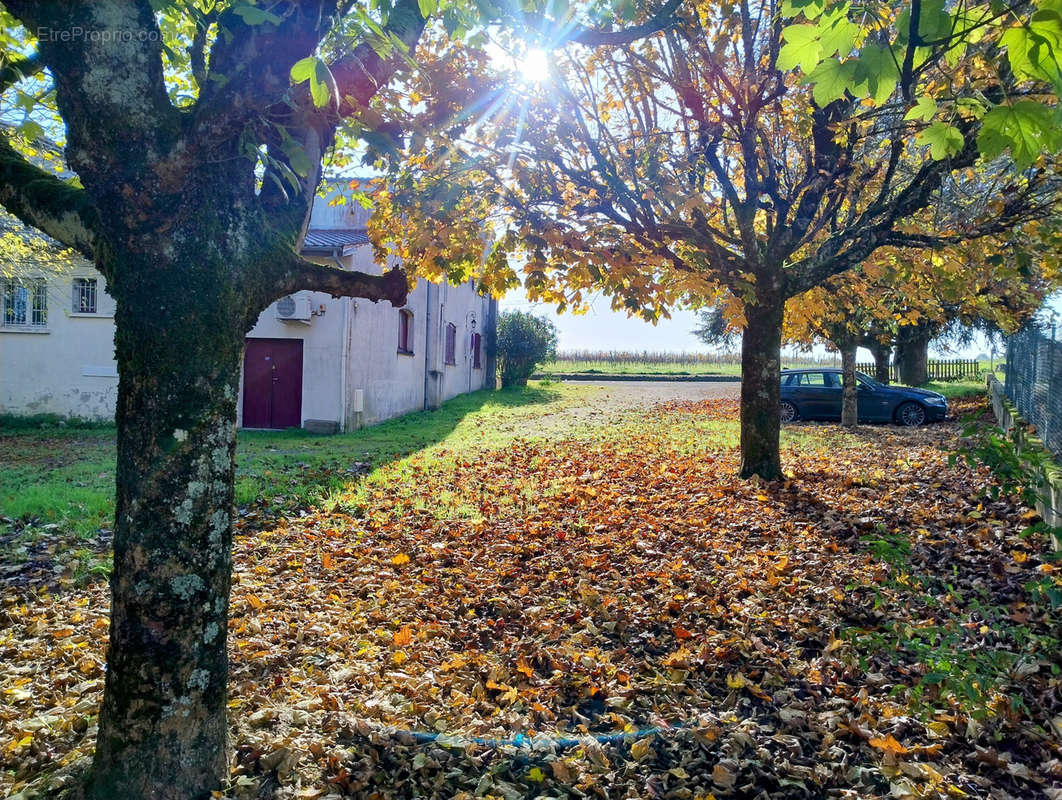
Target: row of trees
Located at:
point(745, 153)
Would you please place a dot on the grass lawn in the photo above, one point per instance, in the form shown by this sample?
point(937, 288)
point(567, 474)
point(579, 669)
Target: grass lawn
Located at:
point(605, 588)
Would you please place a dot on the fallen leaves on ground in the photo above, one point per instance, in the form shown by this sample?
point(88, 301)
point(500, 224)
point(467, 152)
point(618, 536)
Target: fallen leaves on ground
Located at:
point(725, 638)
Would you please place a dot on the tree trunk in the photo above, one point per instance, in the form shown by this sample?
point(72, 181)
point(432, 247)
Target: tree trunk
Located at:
point(850, 399)
point(881, 353)
point(761, 345)
point(179, 340)
point(912, 355)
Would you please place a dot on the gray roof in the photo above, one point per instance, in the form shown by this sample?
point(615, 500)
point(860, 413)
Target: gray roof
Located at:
point(329, 240)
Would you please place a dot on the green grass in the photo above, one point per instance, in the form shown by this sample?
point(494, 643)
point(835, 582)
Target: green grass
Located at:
point(62, 473)
point(954, 389)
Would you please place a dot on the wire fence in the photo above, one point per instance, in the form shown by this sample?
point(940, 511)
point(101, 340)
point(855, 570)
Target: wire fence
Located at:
point(1034, 381)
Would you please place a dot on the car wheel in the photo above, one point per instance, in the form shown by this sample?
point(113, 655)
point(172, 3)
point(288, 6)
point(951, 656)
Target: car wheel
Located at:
point(789, 411)
point(911, 414)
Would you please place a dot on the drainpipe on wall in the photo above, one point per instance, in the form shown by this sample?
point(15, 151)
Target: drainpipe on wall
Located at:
point(427, 341)
point(345, 349)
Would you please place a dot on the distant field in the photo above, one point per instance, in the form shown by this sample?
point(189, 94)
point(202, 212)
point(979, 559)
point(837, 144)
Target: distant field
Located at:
point(677, 364)
point(656, 363)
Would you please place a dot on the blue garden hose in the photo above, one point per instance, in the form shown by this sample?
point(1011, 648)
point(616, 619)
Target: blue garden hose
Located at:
point(543, 742)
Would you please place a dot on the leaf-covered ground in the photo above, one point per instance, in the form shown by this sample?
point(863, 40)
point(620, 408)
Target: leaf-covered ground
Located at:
point(612, 615)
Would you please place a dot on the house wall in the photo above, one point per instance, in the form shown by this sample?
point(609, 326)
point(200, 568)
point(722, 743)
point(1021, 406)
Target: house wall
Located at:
point(393, 383)
point(66, 367)
point(322, 336)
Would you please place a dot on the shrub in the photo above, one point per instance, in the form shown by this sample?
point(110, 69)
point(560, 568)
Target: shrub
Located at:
point(524, 342)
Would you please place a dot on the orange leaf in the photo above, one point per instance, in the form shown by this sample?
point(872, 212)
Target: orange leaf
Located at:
point(255, 602)
point(889, 745)
point(400, 559)
point(682, 633)
point(404, 636)
point(327, 561)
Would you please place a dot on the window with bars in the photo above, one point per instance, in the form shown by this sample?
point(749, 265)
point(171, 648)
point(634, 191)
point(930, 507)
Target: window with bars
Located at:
point(451, 343)
point(24, 303)
point(84, 296)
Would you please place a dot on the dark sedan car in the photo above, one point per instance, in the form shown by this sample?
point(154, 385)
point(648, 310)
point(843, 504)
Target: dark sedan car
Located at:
point(816, 394)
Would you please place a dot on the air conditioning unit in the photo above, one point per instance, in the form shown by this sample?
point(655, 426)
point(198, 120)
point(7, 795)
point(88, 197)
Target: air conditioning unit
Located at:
point(295, 309)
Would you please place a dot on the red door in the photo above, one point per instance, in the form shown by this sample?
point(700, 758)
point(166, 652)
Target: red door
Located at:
point(272, 383)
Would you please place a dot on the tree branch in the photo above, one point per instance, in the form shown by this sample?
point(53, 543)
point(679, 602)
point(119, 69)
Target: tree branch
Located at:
point(392, 286)
point(593, 37)
point(47, 203)
point(17, 70)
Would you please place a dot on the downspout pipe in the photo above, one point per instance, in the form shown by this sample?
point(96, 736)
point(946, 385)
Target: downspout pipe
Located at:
point(432, 289)
point(344, 349)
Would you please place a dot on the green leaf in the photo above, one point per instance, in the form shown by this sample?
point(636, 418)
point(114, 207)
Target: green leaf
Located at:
point(302, 70)
point(322, 84)
point(252, 15)
point(1027, 128)
point(811, 9)
point(831, 79)
point(839, 37)
point(802, 48)
point(925, 109)
point(943, 140)
point(298, 160)
point(876, 69)
point(427, 7)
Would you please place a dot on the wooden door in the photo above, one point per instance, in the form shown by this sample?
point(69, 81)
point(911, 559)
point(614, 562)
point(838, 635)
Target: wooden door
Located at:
point(272, 383)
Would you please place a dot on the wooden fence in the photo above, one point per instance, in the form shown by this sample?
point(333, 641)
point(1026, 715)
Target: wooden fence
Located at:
point(938, 370)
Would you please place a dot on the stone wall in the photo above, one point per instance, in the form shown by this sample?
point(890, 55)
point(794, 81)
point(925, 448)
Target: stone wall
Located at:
point(1025, 440)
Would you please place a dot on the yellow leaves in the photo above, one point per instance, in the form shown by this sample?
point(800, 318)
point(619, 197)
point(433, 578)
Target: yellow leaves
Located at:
point(641, 750)
point(735, 680)
point(255, 602)
point(536, 775)
point(400, 559)
point(403, 637)
point(889, 745)
point(523, 667)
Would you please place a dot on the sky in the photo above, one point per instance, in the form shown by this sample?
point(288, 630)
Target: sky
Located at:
point(604, 329)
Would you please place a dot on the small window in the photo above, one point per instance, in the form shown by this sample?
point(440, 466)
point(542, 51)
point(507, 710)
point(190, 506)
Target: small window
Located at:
point(405, 331)
point(84, 301)
point(813, 379)
point(24, 303)
point(451, 343)
point(477, 348)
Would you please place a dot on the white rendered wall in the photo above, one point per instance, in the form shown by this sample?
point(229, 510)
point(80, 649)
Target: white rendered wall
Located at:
point(66, 367)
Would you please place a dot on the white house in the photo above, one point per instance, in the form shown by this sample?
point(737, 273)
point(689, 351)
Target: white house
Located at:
point(315, 361)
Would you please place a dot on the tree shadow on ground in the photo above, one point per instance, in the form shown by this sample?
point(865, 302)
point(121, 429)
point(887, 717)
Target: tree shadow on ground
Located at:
point(278, 473)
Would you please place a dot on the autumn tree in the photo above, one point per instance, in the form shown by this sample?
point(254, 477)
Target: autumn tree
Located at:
point(196, 133)
point(196, 158)
point(755, 150)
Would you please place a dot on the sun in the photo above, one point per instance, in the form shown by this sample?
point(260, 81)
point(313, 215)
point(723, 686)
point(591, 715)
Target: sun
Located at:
point(534, 66)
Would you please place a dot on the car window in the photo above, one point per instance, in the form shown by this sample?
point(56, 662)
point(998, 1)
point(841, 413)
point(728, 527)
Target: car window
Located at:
point(813, 379)
point(788, 380)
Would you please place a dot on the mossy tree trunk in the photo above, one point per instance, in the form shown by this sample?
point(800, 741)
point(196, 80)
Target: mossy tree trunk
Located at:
point(180, 325)
point(761, 345)
point(912, 354)
point(194, 240)
point(850, 393)
point(881, 352)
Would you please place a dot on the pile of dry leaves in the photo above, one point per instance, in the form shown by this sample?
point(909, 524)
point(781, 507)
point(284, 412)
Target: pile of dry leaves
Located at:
point(615, 617)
